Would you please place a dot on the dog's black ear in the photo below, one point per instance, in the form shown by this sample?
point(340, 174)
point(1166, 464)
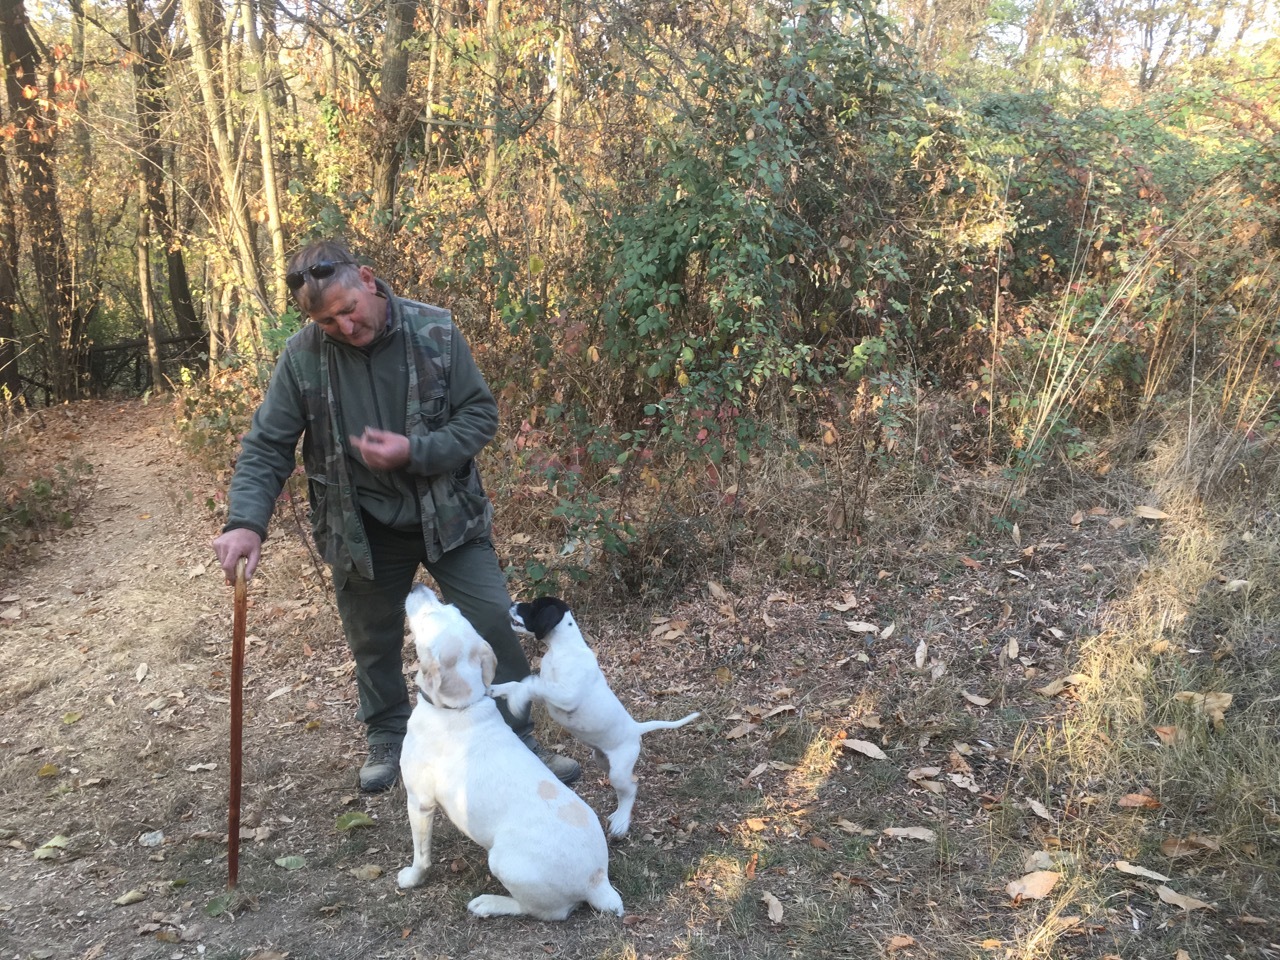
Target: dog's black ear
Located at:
point(544, 615)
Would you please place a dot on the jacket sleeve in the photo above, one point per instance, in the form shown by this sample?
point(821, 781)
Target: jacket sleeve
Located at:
point(473, 419)
point(267, 453)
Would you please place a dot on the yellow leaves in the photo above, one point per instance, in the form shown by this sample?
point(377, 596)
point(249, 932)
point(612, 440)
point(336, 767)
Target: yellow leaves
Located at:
point(1212, 705)
point(1179, 900)
point(1124, 866)
point(1057, 686)
point(866, 748)
point(1138, 801)
point(1189, 846)
point(1149, 513)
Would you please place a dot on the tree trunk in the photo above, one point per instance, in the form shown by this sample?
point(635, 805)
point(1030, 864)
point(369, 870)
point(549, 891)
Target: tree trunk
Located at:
point(236, 225)
point(146, 43)
point(65, 346)
point(266, 140)
point(393, 113)
point(10, 382)
point(142, 254)
point(492, 20)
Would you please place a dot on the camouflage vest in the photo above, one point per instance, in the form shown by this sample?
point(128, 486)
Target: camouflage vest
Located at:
point(453, 506)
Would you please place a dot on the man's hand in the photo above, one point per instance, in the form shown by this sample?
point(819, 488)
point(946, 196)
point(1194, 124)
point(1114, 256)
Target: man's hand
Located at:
point(381, 449)
point(233, 545)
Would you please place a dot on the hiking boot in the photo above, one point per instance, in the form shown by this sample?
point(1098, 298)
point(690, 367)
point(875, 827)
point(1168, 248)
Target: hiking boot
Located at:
point(566, 769)
point(381, 769)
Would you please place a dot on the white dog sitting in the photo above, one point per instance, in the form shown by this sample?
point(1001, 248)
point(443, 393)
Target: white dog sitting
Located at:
point(545, 844)
point(579, 699)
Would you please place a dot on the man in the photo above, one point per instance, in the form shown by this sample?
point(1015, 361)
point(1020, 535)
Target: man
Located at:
point(392, 412)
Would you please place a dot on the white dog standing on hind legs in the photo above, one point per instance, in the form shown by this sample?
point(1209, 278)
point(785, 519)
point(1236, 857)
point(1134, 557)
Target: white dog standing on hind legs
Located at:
point(545, 844)
point(578, 698)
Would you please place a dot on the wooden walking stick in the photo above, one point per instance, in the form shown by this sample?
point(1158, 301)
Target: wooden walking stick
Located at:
point(237, 712)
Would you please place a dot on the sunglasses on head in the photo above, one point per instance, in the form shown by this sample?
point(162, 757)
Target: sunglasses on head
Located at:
point(321, 270)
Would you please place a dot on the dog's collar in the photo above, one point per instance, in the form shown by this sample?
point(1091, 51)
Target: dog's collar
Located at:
point(427, 696)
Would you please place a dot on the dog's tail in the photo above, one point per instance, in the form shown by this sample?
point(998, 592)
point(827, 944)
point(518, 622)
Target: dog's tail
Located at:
point(667, 724)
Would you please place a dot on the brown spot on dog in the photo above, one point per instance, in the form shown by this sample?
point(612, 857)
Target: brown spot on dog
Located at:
point(573, 814)
point(546, 790)
point(598, 878)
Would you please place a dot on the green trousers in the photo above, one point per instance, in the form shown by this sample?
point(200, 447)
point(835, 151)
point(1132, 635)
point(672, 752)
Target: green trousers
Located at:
point(373, 619)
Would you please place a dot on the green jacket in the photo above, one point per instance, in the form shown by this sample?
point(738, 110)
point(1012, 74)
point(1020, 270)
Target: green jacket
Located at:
point(418, 379)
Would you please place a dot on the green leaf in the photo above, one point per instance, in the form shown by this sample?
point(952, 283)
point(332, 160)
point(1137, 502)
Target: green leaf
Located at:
point(71, 717)
point(291, 863)
point(353, 819)
point(219, 904)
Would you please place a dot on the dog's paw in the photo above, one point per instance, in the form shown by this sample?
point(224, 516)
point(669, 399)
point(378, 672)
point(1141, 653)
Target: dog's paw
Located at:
point(410, 877)
point(619, 823)
point(492, 905)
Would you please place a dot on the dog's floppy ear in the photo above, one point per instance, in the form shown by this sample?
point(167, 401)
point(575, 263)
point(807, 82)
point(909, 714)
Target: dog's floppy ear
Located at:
point(488, 665)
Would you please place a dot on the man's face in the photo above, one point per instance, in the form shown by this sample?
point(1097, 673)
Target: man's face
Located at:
point(351, 311)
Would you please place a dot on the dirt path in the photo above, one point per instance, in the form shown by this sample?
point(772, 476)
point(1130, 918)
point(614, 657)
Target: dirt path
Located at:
point(114, 654)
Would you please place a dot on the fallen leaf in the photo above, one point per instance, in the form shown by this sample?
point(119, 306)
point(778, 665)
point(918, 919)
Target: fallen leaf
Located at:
point(1178, 900)
point(1077, 518)
point(971, 563)
point(773, 905)
point(887, 632)
point(820, 844)
point(352, 820)
point(369, 871)
point(196, 767)
point(740, 730)
point(1168, 735)
point(72, 717)
point(1011, 648)
point(910, 833)
point(1033, 886)
point(900, 942)
point(141, 673)
point(755, 824)
point(1057, 686)
point(48, 770)
point(291, 863)
point(133, 896)
point(1115, 523)
point(1040, 860)
point(1189, 846)
point(922, 773)
point(1039, 809)
point(865, 747)
point(1124, 866)
point(922, 654)
point(976, 700)
point(1149, 513)
point(717, 591)
point(1138, 801)
point(861, 626)
point(1213, 704)
point(1234, 586)
point(850, 827)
